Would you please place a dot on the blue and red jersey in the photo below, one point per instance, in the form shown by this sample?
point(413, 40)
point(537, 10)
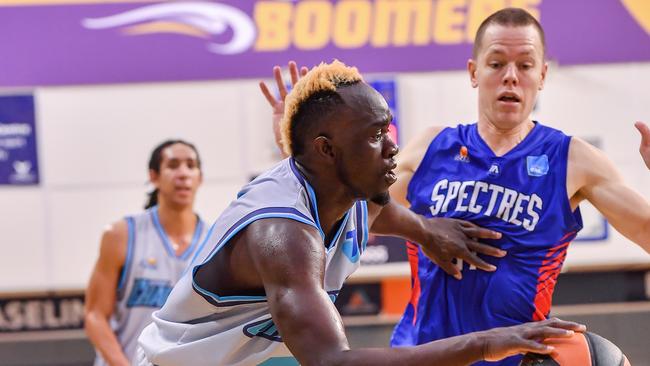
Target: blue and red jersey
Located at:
point(523, 195)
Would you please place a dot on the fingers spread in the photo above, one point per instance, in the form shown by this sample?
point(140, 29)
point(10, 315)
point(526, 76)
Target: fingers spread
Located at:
point(486, 249)
point(480, 233)
point(293, 71)
point(529, 345)
point(277, 74)
point(559, 323)
point(450, 268)
point(267, 94)
point(479, 263)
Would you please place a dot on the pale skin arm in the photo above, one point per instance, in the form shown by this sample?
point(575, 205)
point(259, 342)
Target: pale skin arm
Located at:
point(313, 331)
point(278, 104)
point(644, 149)
point(101, 294)
point(593, 177)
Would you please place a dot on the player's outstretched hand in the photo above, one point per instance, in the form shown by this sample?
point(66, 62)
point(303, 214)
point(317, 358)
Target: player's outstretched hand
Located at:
point(644, 149)
point(278, 104)
point(500, 343)
point(452, 238)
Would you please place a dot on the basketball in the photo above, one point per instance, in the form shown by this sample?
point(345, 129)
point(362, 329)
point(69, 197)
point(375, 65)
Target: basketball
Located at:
point(583, 349)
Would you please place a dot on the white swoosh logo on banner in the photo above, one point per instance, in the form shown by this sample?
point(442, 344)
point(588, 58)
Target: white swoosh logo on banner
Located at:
point(211, 18)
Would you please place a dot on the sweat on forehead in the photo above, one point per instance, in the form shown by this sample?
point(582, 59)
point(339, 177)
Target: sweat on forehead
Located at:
point(324, 79)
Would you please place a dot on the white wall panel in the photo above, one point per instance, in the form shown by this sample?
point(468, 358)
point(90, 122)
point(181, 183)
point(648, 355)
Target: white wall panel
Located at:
point(114, 128)
point(24, 263)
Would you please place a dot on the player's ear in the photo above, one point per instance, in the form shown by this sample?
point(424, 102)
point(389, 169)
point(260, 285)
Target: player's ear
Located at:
point(544, 70)
point(471, 69)
point(324, 148)
point(153, 177)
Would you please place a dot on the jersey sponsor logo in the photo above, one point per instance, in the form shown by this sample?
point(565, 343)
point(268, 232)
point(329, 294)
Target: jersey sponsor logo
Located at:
point(149, 263)
point(350, 246)
point(494, 170)
point(148, 293)
point(263, 328)
point(463, 155)
point(496, 201)
point(537, 166)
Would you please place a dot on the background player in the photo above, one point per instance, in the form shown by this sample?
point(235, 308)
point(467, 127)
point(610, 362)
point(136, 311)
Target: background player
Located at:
point(142, 256)
point(263, 287)
point(515, 176)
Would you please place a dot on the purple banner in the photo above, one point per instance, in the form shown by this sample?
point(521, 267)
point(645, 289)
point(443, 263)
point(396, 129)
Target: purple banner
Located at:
point(18, 158)
point(63, 42)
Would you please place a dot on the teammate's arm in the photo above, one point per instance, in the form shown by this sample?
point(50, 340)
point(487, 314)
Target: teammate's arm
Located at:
point(101, 294)
point(593, 176)
point(290, 258)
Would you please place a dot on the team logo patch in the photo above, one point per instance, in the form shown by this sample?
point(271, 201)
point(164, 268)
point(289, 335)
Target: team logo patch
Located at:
point(263, 328)
point(537, 166)
point(150, 263)
point(463, 155)
point(350, 246)
point(495, 170)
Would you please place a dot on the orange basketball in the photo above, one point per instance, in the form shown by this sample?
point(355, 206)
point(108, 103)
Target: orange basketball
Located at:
point(583, 349)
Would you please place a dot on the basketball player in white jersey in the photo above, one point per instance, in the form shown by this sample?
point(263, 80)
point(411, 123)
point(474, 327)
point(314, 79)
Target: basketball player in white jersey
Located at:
point(261, 289)
point(141, 257)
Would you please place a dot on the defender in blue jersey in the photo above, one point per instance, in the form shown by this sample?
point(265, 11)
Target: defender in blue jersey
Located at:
point(510, 174)
point(261, 288)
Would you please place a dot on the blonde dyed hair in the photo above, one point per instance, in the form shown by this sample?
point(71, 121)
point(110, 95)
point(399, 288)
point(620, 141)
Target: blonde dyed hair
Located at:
point(324, 77)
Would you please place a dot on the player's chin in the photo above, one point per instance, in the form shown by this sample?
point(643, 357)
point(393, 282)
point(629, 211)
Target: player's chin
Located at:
point(381, 199)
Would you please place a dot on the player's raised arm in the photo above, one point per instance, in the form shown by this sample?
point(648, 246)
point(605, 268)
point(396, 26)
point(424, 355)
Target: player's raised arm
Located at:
point(593, 176)
point(289, 258)
point(277, 104)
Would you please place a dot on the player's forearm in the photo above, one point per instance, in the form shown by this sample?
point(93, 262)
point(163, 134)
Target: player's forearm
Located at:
point(104, 340)
point(397, 220)
point(461, 350)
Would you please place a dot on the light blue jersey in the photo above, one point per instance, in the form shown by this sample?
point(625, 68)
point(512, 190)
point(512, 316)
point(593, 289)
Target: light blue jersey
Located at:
point(523, 195)
point(150, 271)
point(198, 327)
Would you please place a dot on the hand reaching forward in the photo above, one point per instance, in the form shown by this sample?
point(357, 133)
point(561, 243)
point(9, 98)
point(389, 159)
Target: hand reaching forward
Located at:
point(278, 104)
point(499, 343)
point(644, 149)
point(452, 238)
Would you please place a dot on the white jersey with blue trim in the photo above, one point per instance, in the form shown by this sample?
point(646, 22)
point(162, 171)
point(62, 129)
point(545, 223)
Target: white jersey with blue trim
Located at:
point(198, 327)
point(150, 271)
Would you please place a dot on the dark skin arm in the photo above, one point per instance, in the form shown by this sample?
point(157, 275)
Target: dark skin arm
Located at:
point(288, 259)
point(441, 239)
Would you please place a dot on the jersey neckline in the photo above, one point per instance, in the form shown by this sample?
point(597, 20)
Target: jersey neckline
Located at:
point(165, 238)
point(526, 142)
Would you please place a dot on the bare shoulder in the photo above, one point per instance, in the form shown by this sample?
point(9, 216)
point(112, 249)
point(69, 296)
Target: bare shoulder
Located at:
point(113, 246)
point(588, 165)
point(588, 159)
point(277, 244)
point(411, 156)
